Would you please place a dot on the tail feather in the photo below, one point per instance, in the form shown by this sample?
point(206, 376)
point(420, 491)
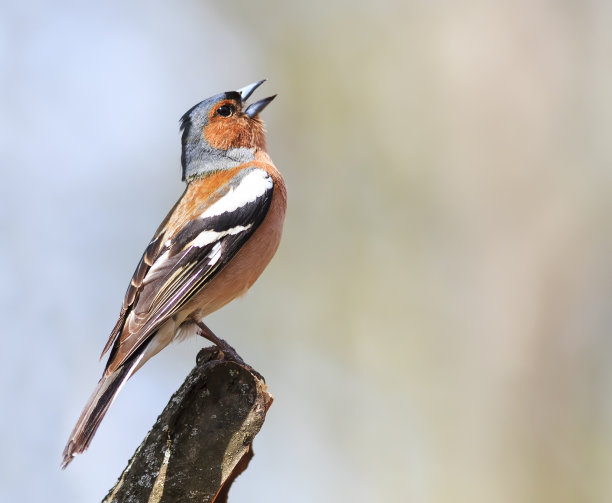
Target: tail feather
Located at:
point(96, 408)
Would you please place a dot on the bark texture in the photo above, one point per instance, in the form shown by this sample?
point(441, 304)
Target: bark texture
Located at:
point(202, 440)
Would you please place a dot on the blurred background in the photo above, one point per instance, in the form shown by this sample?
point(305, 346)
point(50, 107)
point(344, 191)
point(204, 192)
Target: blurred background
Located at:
point(441, 329)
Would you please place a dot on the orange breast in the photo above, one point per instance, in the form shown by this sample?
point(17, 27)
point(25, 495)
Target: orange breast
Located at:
point(251, 260)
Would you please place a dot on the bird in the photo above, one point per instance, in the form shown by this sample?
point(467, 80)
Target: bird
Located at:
point(211, 247)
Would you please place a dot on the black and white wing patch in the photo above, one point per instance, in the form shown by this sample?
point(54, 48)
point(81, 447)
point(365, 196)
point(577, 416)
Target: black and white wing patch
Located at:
point(194, 255)
point(199, 250)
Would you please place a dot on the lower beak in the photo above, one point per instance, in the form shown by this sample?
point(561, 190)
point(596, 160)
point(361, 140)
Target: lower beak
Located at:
point(258, 106)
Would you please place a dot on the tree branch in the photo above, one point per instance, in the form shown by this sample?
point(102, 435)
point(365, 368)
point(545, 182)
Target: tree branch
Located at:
point(202, 440)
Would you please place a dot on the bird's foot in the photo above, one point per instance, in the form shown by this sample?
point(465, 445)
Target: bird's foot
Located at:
point(228, 351)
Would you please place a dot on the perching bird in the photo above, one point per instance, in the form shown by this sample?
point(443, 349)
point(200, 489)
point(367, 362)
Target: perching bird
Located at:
point(215, 242)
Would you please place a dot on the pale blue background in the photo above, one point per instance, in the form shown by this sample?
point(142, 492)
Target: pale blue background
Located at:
point(436, 324)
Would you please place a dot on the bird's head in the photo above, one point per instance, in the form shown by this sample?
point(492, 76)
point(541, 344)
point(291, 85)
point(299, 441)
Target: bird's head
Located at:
point(220, 133)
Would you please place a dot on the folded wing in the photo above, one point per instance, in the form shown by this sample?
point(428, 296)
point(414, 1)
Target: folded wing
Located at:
point(174, 268)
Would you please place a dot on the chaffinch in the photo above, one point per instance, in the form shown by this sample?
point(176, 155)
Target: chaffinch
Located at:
point(215, 242)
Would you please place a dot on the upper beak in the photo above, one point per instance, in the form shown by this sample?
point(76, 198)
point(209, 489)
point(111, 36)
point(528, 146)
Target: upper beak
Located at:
point(254, 109)
point(246, 91)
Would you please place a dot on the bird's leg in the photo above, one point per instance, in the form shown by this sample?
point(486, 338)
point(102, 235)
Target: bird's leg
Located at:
point(208, 334)
point(229, 351)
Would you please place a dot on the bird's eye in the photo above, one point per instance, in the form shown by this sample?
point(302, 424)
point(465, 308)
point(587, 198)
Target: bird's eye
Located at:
point(225, 110)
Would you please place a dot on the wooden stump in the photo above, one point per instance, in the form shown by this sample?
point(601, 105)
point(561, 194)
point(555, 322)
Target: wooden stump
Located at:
point(202, 440)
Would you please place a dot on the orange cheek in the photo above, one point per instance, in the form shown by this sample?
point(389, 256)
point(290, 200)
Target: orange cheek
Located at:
point(224, 133)
point(233, 132)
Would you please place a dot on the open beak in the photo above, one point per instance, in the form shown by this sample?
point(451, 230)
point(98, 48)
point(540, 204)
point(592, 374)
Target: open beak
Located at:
point(254, 109)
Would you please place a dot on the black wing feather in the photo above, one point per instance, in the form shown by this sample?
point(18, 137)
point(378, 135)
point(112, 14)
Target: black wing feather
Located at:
point(195, 261)
point(181, 267)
